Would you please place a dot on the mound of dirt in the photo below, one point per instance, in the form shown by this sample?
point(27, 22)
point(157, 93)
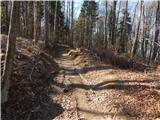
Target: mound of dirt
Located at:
point(30, 85)
point(82, 57)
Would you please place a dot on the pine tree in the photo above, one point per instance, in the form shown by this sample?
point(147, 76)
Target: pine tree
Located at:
point(88, 17)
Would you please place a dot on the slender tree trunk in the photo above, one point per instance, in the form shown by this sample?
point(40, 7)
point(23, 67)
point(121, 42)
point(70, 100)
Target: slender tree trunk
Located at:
point(27, 7)
point(55, 23)
point(132, 27)
point(46, 24)
point(155, 49)
point(106, 31)
point(113, 41)
point(123, 32)
point(72, 24)
point(38, 20)
point(11, 43)
point(90, 27)
point(135, 41)
point(117, 20)
point(144, 34)
point(67, 22)
point(19, 19)
point(69, 15)
point(35, 21)
point(151, 50)
point(7, 20)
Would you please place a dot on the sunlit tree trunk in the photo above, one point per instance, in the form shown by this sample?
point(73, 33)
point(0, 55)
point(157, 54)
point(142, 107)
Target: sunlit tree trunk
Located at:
point(135, 41)
point(132, 30)
point(11, 43)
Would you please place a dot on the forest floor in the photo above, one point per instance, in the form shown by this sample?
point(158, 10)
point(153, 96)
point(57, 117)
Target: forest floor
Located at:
point(94, 90)
point(73, 84)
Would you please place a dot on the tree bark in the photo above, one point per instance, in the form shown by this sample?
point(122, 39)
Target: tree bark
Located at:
point(123, 32)
point(72, 24)
point(69, 15)
point(46, 24)
point(35, 21)
point(155, 49)
point(55, 23)
point(11, 43)
point(106, 35)
point(135, 41)
point(113, 24)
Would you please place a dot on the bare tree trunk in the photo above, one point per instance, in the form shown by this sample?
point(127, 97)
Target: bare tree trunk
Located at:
point(35, 21)
point(132, 26)
point(144, 34)
point(11, 43)
point(46, 24)
point(117, 20)
point(123, 31)
point(72, 24)
point(69, 15)
point(106, 35)
point(113, 24)
point(38, 20)
point(55, 23)
point(27, 7)
point(155, 49)
point(67, 24)
point(135, 41)
point(89, 27)
point(7, 17)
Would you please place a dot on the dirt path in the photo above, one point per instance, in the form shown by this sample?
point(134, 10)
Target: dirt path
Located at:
point(69, 78)
point(103, 92)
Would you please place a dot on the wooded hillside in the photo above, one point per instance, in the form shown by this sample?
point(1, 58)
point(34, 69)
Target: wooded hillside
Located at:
point(80, 60)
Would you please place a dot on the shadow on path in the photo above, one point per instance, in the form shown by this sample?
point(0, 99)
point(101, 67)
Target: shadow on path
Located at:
point(118, 84)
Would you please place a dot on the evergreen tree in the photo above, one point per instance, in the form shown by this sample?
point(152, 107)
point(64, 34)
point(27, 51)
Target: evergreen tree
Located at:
point(87, 18)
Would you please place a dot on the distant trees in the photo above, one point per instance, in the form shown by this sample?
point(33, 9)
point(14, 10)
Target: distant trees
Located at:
point(86, 22)
point(112, 26)
point(5, 16)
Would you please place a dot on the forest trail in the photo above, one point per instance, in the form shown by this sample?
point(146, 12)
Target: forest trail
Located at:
point(72, 81)
point(71, 85)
